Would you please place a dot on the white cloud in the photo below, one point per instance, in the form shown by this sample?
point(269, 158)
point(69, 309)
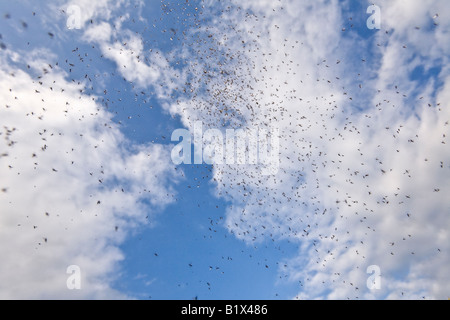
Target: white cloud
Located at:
point(72, 187)
point(101, 33)
point(144, 67)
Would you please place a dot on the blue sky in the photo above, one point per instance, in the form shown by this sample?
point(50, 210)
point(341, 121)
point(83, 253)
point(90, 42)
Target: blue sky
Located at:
point(364, 124)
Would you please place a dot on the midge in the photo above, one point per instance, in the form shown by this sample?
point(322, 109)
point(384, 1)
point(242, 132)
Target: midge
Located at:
point(237, 147)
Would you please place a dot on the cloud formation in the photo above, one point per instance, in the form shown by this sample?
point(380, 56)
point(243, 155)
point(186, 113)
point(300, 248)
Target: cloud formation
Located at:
point(72, 185)
point(364, 152)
